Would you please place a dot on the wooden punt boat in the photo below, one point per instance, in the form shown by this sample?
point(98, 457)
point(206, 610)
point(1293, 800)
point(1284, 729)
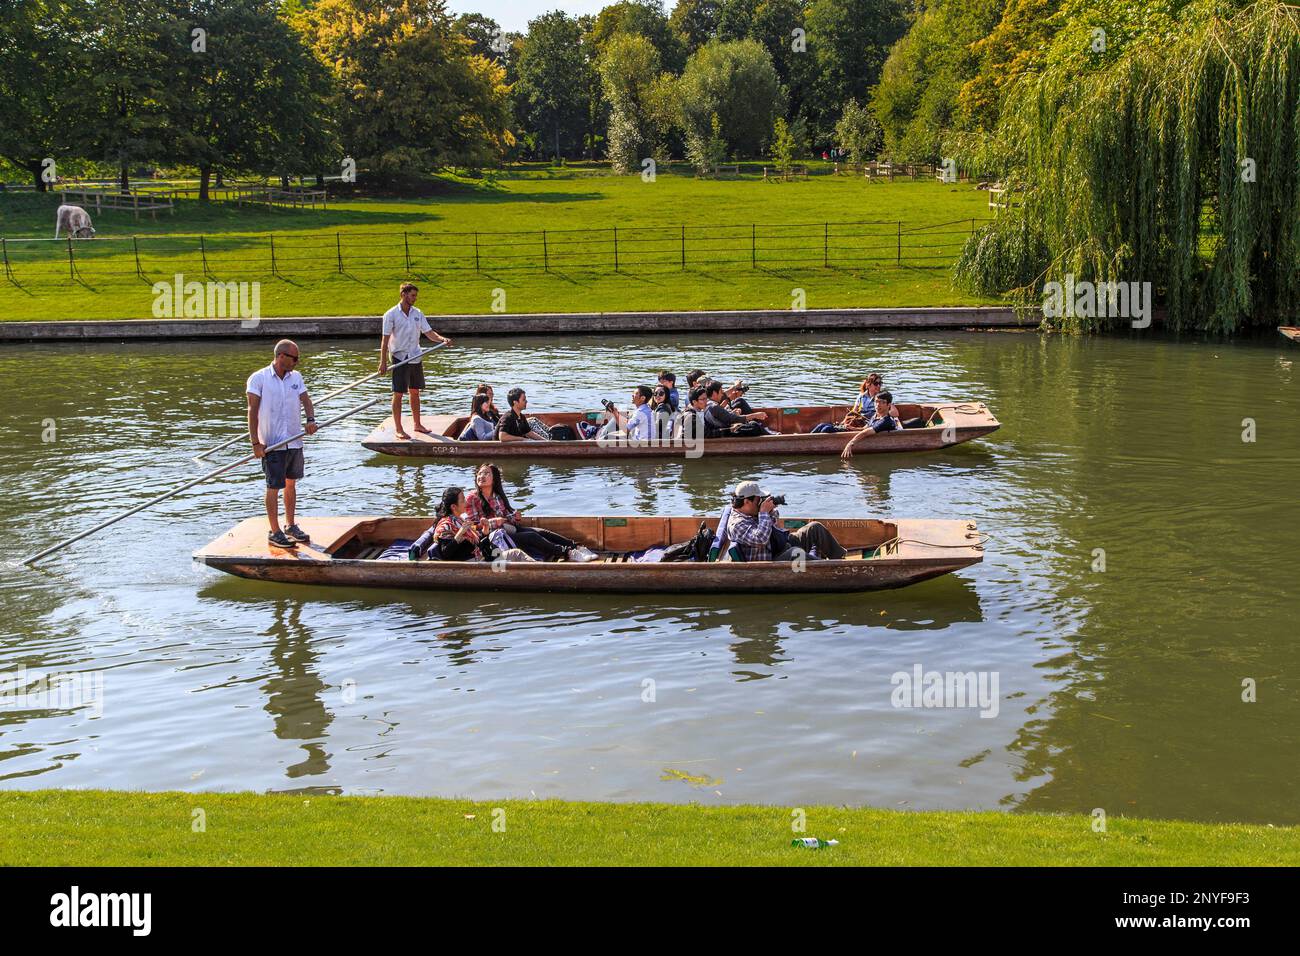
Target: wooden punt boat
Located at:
point(951, 423)
point(346, 552)
point(1291, 332)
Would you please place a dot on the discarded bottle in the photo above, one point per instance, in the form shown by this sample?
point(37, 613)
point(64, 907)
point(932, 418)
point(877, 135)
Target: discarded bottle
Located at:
point(813, 843)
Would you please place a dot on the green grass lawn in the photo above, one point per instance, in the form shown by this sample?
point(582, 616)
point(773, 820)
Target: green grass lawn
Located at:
point(749, 244)
point(113, 828)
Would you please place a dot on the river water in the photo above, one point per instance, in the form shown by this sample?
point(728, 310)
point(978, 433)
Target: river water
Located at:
point(1138, 585)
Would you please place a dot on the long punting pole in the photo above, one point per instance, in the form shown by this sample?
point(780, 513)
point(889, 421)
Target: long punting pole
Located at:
point(324, 398)
point(197, 481)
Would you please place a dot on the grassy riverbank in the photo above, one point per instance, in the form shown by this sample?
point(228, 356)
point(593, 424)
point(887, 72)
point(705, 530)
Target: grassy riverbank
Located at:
point(683, 244)
point(112, 828)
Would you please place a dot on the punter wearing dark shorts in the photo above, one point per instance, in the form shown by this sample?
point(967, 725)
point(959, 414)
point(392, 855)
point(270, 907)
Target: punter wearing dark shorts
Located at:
point(280, 465)
point(402, 328)
point(277, 396)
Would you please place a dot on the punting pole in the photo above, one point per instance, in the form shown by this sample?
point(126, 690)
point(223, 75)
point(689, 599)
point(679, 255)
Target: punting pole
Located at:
point(198, 481)
point(325, 398)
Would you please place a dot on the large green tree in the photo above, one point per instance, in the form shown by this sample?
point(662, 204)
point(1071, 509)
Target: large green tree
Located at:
point(552, 93)
point(736, 82)
point(45, 83)
point(411, 94)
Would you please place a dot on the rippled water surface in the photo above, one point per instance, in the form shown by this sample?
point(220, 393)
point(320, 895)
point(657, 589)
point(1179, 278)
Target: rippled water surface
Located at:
point(1118, 688)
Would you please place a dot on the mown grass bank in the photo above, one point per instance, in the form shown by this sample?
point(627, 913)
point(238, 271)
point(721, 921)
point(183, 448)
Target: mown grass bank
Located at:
point(749, 244)
point(114, 828)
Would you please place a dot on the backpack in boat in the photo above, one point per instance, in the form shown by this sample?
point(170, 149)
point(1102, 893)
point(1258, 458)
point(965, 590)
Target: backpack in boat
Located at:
point(696, 549)
point(853, 420)
point(563, 433)
point(747, 430)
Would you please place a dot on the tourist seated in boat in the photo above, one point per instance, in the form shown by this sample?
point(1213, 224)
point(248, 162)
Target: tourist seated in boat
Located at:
point(461, 539)
point(753, 527)
point(515, 425)
point(636, 425)
point(694, 377)
point(663, 413)
point(734, 398)
point(668, 381)
point(489, 508)
point(720, 421)
point(492, 413)
point(690, 424)
point(480, 427)
point(882, 421)
point(864, 409)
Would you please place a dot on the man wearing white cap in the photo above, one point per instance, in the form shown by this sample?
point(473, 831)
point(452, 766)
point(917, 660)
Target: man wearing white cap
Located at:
point(753, 528)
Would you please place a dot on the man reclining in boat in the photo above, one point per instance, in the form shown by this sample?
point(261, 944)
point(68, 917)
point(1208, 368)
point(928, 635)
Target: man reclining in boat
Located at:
point(882, 421)
point(722, 422)
point(752, 528)
point(637, 425)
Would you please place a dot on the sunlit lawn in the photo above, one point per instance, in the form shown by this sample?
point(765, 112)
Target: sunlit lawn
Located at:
point(749, 244)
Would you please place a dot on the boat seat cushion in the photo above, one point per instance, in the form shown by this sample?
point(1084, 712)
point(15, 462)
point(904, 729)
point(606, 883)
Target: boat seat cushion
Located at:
point(399, 550)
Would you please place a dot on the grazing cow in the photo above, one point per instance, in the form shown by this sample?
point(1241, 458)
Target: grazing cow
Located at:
point(75, 221)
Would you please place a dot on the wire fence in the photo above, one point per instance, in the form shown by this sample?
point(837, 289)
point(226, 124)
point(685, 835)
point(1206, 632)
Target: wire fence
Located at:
point(610, 249)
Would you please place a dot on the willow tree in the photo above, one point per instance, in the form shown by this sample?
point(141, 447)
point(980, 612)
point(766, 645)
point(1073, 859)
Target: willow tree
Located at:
point(1176, 162)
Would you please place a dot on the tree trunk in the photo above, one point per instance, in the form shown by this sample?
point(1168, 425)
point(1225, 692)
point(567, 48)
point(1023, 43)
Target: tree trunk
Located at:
point(557, 143)
point(205, 180)
point(125, 179)
point(284, 180)
point(320, 180)
point(35, 168)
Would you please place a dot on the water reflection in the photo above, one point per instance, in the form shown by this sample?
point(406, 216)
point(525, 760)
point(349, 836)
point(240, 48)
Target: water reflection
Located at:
point(294, 691)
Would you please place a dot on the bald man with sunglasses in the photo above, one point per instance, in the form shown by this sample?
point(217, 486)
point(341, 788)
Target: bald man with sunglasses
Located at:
point(276, 395)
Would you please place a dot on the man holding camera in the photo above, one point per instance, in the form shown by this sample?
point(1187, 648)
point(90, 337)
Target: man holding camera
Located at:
point(753, 528)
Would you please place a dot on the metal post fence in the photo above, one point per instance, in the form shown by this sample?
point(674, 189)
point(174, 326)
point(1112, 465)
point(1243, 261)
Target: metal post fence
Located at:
point(826, 238)
point(4, 248)
point(72, 267)
point(476, 266)
point(546, 259)
point(338, 249)
point(274, 269)
point(616, 248)
point(406, 244)
point(135, 245)
point(899, 259)
point(753, 245)
point(683, 247)
point(203, 251)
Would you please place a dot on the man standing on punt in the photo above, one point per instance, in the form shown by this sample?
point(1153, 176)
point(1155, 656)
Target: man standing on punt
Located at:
point(403, 326)
point(275, 395)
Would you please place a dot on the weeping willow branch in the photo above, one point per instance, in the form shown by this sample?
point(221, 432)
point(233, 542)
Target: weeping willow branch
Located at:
point(1178, 165)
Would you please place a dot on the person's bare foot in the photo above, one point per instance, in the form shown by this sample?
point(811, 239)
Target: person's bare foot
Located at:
point(401, 434)
point(422, 430)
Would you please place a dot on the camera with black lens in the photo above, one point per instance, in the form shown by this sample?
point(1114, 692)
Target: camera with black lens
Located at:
point(777, 500)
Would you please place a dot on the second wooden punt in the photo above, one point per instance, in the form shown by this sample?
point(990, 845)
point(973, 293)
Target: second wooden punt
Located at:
point(1291, 332)
point(951, 423)
point(346, 552)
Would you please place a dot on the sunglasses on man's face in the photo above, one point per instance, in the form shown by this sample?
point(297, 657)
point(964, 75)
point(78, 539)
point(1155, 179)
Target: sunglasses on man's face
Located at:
point(292, 355)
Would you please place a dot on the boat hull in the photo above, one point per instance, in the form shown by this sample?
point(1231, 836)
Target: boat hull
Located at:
point(963, 422)
point(924, 549)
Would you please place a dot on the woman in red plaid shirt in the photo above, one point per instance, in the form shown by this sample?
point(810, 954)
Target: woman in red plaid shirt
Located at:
point(488, 504)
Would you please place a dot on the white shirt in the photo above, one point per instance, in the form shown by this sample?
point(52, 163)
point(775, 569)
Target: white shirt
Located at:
point(404, 332)
point(640, 423)
point(278, 415)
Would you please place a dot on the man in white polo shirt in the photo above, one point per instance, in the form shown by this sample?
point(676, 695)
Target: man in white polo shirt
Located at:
point(275, 395)
point(403, 326)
